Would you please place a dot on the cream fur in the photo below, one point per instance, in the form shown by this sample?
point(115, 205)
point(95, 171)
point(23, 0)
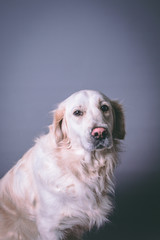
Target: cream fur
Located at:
point(61, 186)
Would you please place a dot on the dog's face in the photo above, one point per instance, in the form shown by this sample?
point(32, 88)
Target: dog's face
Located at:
point(90, 120)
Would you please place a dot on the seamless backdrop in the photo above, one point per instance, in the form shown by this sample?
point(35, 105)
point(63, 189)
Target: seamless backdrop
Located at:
point(50, 49)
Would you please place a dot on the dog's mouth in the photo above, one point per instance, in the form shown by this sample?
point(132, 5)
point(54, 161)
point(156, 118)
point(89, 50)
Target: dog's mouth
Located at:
point(102, 144)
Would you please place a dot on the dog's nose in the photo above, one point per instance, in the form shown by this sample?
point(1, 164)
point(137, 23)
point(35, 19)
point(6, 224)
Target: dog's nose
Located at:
point(99, 133)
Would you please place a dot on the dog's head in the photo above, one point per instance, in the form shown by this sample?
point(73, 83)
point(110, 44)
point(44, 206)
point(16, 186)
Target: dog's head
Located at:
point(90, 120)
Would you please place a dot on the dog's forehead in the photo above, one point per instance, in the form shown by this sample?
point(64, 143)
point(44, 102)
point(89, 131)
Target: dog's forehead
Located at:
point(85, 97)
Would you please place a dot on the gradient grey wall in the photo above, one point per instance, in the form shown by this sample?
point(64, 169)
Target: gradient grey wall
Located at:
point(50, 49)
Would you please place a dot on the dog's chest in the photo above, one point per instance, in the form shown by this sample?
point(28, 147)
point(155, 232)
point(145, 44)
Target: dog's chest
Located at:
point(77, 199)
point(83, 202)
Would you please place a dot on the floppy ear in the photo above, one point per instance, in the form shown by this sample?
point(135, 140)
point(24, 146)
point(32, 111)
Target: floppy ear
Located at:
point(59, 125)
point(119, 122)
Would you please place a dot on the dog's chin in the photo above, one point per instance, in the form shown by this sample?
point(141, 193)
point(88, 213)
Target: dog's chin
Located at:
point(101, 147)
point(98, 145)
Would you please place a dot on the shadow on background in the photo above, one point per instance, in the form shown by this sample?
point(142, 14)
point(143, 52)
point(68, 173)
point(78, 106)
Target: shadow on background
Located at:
point(136, 215)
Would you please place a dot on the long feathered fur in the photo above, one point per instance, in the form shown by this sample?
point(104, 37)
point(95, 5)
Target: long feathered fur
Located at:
point(57, 189)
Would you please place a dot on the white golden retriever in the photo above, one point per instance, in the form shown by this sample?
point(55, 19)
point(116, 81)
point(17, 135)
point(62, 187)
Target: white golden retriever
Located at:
point(61, 186)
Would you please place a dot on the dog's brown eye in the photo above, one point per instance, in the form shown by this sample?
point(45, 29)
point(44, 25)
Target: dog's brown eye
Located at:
point(104, 108)
point(78, 113)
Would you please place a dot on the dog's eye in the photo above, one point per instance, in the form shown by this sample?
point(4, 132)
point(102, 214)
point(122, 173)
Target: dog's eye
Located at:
point(78, 113)
point(104, 108)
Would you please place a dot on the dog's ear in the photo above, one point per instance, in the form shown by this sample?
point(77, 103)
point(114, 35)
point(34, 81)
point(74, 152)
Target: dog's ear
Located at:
point(59, 125)
point(119, 121)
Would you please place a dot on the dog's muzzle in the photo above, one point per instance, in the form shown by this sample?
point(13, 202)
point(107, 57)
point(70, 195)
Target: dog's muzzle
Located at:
point(101, 138)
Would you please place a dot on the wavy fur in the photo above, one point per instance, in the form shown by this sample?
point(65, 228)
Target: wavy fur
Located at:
point(61, 187)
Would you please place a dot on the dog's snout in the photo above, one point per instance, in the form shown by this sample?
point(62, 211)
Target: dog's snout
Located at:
point(99, 133)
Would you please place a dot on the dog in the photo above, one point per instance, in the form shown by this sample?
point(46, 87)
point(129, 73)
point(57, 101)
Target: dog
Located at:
point(62, 186)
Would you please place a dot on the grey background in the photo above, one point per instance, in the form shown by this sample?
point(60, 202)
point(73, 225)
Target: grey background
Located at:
point(50, 49)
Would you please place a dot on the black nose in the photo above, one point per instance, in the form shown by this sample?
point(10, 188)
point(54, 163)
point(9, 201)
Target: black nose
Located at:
point(99, 133)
